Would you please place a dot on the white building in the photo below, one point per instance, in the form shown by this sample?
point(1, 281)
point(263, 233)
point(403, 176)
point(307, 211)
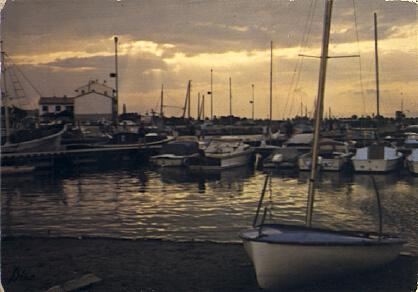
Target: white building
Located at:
point(95, 101)
point(54, 105)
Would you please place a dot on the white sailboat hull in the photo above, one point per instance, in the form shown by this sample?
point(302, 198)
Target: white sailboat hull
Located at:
point(376, 165)
point(281, 265)
point(288, 255)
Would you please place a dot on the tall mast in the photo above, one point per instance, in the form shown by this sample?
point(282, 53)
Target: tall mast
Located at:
point(203, 107)
point(376, 58)
point(189, 99)
point(252, 102)
point(198, 106)
point(211, 94)
point(230, 97)
point(271, 86)
point(4, 96)
point(116, 82)
point(162, 102)
point(319, 109)
point(301, 107)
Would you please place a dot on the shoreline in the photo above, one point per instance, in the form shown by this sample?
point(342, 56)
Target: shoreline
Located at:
point(39, 263)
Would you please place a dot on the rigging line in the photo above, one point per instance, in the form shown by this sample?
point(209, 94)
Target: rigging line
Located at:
point(24, 76)
point(359, 59)
point(303, 43)
point(298, 64)
point(305, 29)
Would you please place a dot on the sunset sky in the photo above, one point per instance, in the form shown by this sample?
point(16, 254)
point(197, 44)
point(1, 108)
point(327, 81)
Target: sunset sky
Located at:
point(61, 44)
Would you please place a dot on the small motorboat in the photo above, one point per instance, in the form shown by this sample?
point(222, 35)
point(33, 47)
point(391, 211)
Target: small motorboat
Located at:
point(333, 156)
point(222, 154)
point(176, 153)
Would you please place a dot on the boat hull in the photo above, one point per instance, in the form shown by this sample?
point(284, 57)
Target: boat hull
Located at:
point(16, 170)
point(47, 143)
point(413, 166)
point(334, 164)
point(282, 265)
point(170, 160)
point(219, 162)
point(376, 165)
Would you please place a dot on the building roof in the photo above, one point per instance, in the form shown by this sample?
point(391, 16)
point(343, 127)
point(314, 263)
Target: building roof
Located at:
point(57, 100)
point(95, 86)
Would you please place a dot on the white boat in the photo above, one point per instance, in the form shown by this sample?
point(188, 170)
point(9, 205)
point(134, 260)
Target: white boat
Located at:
point(412, 161)
point(285, 255)
point(175, 154)
point(376, 158)
point(411, 139)
point(222, 154)
point(301, 142)
point(282, 157)
point(333, 156)
point(288, 255)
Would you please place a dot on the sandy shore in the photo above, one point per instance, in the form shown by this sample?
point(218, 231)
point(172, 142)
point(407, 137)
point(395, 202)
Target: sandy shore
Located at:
point(36, 264)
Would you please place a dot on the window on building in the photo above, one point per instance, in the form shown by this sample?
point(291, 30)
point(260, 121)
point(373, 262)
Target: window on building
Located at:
point(45, 108)
point(57, 108)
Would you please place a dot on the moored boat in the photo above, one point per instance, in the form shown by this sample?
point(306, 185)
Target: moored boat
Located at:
point(176, 153)
point(333, 156)
point(376, 158)
point(285, 255)
point(282, 157)
point(38, 140)
point(222, 154)
point(412, 161)
point(411, 137)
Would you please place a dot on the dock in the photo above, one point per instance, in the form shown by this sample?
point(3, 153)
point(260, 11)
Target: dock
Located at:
point(76, 157)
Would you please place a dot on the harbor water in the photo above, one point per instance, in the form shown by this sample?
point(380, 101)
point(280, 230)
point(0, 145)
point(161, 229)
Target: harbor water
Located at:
point(176, 204)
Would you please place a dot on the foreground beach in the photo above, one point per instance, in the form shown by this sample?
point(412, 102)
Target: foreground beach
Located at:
point(37, 264)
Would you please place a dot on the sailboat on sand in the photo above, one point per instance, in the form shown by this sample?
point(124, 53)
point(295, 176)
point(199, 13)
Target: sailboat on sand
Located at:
point(287, 255)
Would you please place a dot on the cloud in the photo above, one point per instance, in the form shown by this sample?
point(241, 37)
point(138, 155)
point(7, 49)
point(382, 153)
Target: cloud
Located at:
point(62, 44)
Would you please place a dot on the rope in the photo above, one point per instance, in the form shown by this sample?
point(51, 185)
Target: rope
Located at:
point(24, 76)
point(298, 68)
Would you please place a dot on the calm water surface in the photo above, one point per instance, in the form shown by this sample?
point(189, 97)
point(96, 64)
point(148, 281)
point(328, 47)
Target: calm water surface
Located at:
point(178, 205)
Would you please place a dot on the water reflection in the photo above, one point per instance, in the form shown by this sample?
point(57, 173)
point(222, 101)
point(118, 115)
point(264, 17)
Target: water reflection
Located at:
point(178, 204)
